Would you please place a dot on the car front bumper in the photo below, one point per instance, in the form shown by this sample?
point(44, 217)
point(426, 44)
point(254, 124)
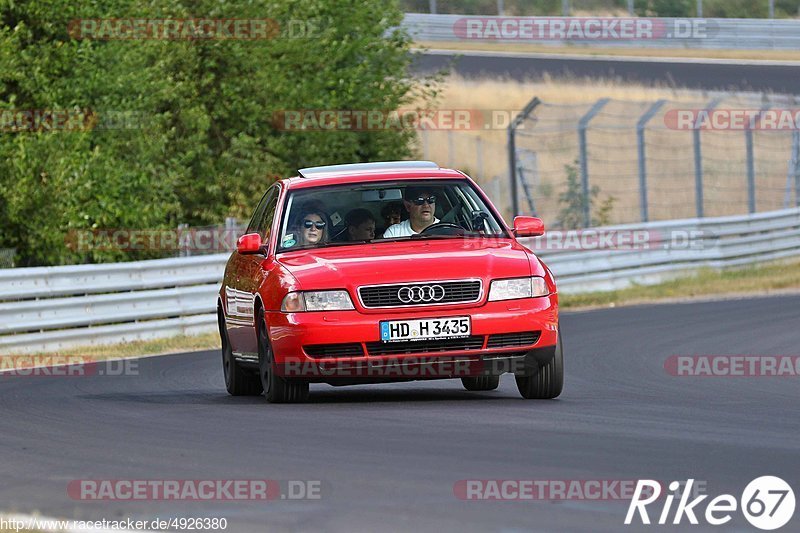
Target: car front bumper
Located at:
point(345, 346)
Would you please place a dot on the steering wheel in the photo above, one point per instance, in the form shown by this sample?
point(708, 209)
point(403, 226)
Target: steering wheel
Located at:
point(444, 228)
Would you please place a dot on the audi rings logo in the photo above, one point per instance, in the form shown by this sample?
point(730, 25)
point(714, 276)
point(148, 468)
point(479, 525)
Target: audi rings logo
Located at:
point(421, 294)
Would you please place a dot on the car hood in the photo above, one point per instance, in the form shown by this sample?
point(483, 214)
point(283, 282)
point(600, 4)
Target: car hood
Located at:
point(348, 267)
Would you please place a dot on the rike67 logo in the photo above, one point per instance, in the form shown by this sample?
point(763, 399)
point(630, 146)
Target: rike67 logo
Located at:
point(767, 503)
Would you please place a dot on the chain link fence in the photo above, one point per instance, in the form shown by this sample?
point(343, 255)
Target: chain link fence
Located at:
point(616, 161)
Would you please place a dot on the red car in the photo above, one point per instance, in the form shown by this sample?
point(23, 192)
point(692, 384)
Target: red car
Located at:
point(382, 272)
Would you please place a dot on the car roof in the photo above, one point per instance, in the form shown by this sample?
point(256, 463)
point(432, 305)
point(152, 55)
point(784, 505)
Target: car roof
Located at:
point(370, 173)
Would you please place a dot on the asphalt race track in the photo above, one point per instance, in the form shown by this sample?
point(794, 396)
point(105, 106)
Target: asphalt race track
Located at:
point(388, 455)
point(694, 74)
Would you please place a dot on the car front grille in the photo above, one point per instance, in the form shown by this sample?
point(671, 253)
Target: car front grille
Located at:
point(444, 345)
point(334, 350)
point(452, 292)
point(508, 340)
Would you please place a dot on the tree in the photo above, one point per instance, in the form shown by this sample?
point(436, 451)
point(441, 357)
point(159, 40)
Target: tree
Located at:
point(203, 144)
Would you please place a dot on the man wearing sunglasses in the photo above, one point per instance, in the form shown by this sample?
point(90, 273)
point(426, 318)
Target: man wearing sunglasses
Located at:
point(420, 202)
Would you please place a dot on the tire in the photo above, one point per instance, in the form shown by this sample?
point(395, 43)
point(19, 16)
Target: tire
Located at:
point(548, 382)
point(276, 388)
point(482, 383)
point(238, 381)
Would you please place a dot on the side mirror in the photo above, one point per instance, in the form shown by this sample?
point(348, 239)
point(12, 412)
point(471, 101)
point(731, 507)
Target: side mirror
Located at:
point(249, 244)
point(528, 227)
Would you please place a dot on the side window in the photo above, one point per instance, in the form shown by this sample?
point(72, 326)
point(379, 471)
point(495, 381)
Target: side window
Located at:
point(259, 213)
point(264, 225)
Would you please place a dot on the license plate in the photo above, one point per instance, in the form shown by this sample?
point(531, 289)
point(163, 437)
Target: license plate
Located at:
point(424, 329)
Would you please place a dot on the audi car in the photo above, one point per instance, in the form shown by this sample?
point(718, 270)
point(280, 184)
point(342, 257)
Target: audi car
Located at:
point(386, 272)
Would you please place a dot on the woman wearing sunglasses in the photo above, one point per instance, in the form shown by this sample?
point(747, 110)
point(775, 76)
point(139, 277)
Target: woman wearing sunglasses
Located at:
point(313, 222)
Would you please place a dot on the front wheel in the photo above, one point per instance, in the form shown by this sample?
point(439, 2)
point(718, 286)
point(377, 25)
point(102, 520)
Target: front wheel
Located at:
point(276, 388)
point(548, 382)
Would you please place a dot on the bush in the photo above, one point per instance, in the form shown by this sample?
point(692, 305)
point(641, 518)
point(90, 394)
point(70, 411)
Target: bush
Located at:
point(204, 145)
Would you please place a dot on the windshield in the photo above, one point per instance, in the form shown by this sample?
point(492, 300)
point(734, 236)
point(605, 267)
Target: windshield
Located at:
point(356, 213)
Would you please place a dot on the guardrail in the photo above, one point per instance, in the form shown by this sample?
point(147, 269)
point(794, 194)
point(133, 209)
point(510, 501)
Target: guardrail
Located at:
point(49, 308)
point(708, 33)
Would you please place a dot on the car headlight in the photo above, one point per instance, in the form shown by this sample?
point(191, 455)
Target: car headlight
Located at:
point(513, 289)
point(296, 302)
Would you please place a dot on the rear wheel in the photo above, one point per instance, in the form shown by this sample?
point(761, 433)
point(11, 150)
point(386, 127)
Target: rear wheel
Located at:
point(548, 382)
point(238, 381)
point(482, 383)
point(276, 388)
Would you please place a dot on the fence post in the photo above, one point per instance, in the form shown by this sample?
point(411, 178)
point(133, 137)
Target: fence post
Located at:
point(796, 158)
point(450, 149)
point(630, 7)
point(698, 161)
point(751, 165)
point(772, 9)
point(649, 114)
point(512, 151)
point(791, 173)
point(432, 4)
point(565, 8)
point(479, 152)
point(500, 8)
point(584, 156)
point(699, 9)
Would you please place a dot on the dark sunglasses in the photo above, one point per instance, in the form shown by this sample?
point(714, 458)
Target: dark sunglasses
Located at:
point(422, 200)
point(308, 223)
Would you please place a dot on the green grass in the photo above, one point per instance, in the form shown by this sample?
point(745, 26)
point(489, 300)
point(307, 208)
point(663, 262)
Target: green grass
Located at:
point(754, 280)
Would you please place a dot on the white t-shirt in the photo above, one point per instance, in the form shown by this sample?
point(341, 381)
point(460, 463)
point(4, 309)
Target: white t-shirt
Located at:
point(402, 229)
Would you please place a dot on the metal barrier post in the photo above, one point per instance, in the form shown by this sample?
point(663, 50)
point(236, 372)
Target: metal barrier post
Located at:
point(584, 156)
point(479, 152)
point(698, 161)
point(796, 159)
point(649, 114)
point(512, 151)
point(450, 149)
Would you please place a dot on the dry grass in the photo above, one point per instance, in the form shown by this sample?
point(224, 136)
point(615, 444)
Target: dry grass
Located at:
point(783, 277)
point(88, 354)
point(763, 55)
